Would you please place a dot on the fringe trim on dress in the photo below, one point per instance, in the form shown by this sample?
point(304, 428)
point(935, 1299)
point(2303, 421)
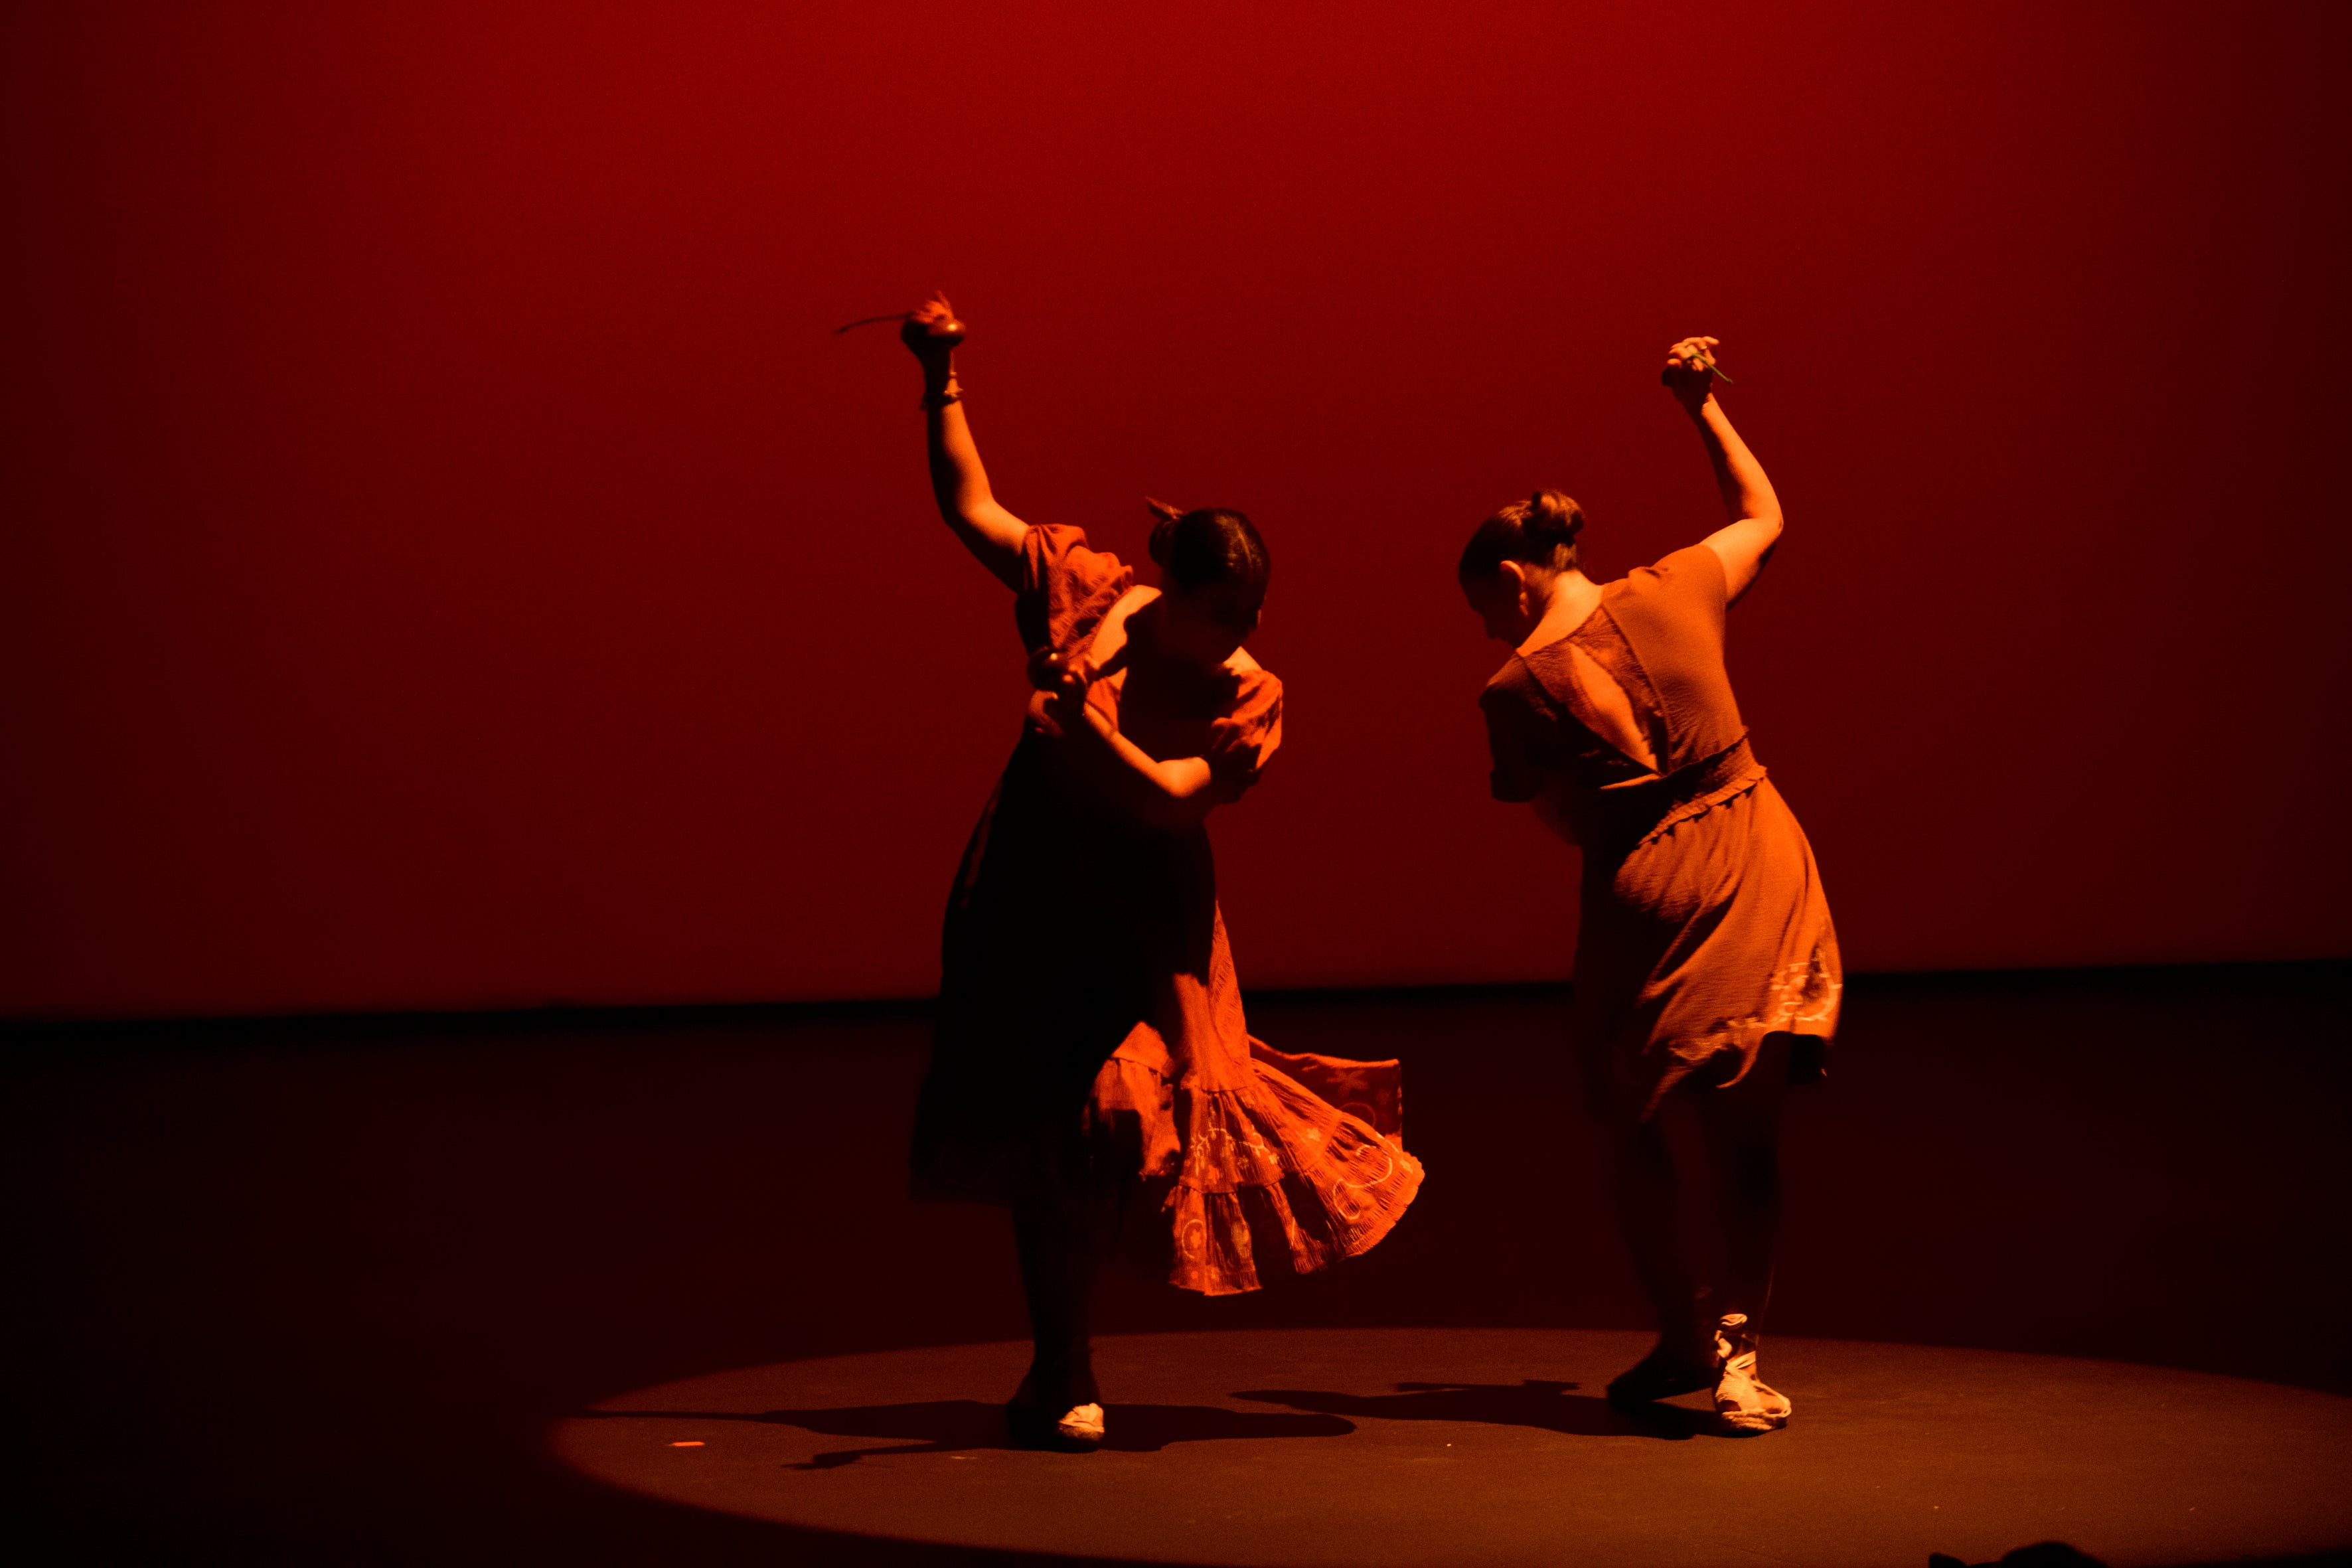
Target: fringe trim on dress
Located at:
point(1804, 999)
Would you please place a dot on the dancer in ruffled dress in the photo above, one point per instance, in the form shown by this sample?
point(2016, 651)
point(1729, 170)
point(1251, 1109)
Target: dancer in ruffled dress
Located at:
point(1091, 1069)
point(1706, 972)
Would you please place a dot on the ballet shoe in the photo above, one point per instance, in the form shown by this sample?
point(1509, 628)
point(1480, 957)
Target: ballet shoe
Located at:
point(1745, 1405)
point(1077, 1429)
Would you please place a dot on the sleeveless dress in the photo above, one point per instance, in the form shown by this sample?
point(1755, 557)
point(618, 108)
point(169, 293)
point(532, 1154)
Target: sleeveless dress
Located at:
point(1090, 1024)
point(1703, 924)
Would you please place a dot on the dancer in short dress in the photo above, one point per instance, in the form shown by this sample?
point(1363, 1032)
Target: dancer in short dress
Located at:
point(1706, 972)
point(1091, 1069)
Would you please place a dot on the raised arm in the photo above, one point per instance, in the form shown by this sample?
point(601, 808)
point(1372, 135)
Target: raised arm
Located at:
point(1747, 542)
point(959, 483)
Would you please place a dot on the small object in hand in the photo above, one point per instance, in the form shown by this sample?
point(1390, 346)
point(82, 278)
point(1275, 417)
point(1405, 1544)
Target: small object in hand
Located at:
point(1050, 670)
point(1666, 376)
point(950, 331)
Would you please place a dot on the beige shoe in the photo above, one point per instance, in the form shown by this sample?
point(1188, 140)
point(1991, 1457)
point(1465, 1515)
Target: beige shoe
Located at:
point(1745, 1405)
point(1078, 1429)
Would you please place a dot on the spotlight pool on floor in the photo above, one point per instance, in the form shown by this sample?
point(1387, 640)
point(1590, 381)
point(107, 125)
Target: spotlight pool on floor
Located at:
point(1374, 1447)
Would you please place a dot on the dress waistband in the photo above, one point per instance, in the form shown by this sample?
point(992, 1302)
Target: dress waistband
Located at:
point(1634, 814)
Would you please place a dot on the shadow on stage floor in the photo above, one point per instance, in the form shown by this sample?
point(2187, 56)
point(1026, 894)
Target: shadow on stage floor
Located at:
point(961, 1426)
point(1531, 1403)
point(311, 1290)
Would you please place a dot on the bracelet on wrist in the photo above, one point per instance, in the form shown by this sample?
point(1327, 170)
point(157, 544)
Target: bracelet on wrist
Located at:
point(951, 393)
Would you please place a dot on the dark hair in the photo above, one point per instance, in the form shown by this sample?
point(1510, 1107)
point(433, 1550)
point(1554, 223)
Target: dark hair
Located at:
point(1537, 531)
point(1210, 544)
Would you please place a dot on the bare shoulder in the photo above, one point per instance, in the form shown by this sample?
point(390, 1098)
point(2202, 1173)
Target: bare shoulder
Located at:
point(1110, 635)
point(1742, 550)
point(1134, 599)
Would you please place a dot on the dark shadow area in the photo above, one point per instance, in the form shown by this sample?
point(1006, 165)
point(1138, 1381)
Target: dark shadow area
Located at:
point(963, 1425)
point(310, 1291)
point(1548, 1406)
point(2041, 1554)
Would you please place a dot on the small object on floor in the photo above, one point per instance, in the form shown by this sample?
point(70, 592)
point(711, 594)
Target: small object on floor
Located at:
point(1745, 1405)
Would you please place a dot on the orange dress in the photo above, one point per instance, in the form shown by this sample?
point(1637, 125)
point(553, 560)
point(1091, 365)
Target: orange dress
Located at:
point(1090, 1024)
point(1704, 927)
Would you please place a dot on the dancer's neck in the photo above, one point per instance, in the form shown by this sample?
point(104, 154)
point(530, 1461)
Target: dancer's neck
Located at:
point(1561, 604)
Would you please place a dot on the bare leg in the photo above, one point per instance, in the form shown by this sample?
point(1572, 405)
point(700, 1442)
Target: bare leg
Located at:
point(1648, 1199)
point(1740, 1128)
point(1705, 1167)
point(1739, 1125)
point(1061, 1236)
point(1646, 1192)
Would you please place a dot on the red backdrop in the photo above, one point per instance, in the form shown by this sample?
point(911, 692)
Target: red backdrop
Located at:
point(448, 561)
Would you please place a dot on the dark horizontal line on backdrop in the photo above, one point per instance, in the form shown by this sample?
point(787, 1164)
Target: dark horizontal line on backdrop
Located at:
point(623, 1018)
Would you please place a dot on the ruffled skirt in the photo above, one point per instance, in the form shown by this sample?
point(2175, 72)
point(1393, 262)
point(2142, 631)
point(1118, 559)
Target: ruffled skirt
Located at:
point(1091, 1031)
point(1267, 1164)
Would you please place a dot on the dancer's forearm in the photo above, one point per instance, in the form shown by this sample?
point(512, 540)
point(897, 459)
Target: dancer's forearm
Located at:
point(1746, 494)
point(1745, 543)
point(1171, 793)
point(959, 482)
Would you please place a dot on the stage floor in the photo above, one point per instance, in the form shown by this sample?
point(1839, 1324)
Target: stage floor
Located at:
point(1492, 1448)
point(311, 1291)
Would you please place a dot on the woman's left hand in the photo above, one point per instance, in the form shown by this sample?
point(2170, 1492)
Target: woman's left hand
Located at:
point(1690, 372)
point(931, 332)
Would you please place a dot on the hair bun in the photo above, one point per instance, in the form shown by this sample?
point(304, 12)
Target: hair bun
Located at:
point(1163, 529)
point(1537, 531)
point(1553, 519)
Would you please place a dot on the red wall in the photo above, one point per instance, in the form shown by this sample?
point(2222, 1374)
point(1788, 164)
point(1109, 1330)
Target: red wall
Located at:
point(447, 559)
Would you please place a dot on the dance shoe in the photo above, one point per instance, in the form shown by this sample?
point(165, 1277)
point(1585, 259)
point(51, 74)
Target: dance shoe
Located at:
point(1082, 1425)
point(1077, 1430)
point(1745, 1405)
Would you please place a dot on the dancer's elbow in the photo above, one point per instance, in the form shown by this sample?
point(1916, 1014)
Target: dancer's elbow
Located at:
point(1179, 793)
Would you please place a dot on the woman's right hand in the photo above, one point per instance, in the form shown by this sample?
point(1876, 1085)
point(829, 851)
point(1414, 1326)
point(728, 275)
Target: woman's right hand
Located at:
point(1051, 669)
point(1061, 682)
point(930, 330)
